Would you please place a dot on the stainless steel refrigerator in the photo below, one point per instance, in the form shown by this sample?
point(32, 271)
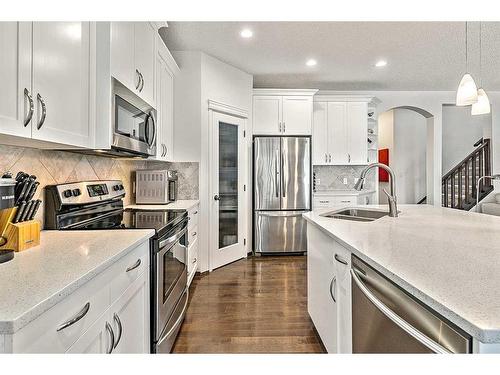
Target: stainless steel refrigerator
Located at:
point(282, 193)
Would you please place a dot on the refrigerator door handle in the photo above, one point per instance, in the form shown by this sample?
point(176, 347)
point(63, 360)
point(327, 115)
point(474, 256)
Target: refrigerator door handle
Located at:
point(283, 169)
point(277, 173)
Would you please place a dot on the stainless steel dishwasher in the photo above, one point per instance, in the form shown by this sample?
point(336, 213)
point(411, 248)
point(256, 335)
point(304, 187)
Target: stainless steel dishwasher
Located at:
point(386, 319)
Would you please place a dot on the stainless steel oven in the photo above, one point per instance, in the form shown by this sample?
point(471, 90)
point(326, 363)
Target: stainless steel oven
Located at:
point(170, 290)
point(134, 122)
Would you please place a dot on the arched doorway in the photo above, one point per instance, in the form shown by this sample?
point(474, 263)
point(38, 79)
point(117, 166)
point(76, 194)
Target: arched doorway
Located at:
point(407, 132)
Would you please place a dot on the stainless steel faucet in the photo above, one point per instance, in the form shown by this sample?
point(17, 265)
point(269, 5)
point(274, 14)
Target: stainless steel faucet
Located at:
point(391, 198)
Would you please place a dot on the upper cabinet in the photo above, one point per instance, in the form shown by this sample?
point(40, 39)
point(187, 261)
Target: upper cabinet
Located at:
point(45, 68)
point(166, 69)
point(282, 112)
point(133, 57)
point(340, 130)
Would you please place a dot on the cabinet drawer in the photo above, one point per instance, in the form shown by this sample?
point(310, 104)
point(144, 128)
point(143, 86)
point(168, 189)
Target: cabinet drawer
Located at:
point(84, 306)
point(127, 269)
point(193, 217)
point(192, 234)
point(337, 200)
point(192, 256)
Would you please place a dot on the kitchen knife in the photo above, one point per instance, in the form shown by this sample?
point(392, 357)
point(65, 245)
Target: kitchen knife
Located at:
point(32, 191)
point(21, 191)
point(27, 210)
point(31, 216)
point(31, 210)
point(19, 212)
point(21, 176)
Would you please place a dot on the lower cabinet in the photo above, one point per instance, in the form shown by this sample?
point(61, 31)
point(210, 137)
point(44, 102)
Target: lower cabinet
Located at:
point(329, 290)
point(97, 340)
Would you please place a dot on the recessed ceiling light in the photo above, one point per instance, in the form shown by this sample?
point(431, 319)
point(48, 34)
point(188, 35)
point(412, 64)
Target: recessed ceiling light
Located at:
point(381, 63)
point(311, 62)
point(246, 33)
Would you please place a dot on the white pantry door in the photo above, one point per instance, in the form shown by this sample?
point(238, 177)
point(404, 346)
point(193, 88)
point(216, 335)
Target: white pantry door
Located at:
point(228, 165)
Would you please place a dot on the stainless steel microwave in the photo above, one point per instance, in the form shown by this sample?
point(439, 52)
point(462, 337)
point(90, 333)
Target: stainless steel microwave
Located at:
point(133, 121)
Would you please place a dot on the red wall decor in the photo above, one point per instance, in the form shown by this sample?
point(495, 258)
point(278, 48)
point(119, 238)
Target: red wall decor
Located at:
point(383, 157)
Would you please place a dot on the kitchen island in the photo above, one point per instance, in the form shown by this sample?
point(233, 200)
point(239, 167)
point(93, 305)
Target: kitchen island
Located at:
point(446, 259)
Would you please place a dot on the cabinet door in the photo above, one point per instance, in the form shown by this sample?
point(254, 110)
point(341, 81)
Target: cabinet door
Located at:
point(61, 73)
point(96, 340)
point(267, 115)
point(122, 54)
point(320, 134)
point(15, 75)
point(357, 129)
point(337, 133)
point(342, 259)
point(167, 107)
point(321, 287)
point(130, 316)
point(144, 56)
point(297, 115)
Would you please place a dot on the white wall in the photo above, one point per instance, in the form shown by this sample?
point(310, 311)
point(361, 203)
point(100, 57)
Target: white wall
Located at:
point(203, 78)
point(385, 140)
point(460, 131)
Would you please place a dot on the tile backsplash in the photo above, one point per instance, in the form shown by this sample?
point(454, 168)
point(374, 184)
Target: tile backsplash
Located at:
point(57, 167)
point(331, 177)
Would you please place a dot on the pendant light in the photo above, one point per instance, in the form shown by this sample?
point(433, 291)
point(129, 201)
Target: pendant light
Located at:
point(467, 89)
point(482, 106)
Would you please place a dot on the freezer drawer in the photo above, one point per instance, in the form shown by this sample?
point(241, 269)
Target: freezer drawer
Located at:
point(280, 232)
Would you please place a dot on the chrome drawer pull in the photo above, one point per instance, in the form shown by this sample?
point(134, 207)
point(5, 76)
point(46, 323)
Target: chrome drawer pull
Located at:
point(134, 266)
point(334, 281)
point(76, 318)
point(194, 234)
point(196, 212)
point(120, 327)
point(44, 111)
point(112, 338)
point(340, 260)
point(31, 109)
point(194, 260)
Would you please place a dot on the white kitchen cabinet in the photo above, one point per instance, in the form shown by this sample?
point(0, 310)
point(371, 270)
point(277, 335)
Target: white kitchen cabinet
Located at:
point(342, 259)
point(166, 68)
point(15, 75)
point(322, 287)
point(193, 253)
point(98, 339)
point(282, 112)
point(267, 114)
point(130, 318)
point(61, 78)
point(340, 130)
point(133, 57)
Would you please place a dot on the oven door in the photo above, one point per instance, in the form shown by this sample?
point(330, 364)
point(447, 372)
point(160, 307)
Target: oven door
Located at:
point(134, 122)
point(171, 276)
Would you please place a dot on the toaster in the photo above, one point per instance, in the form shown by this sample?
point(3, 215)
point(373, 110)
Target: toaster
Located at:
point(156, 186)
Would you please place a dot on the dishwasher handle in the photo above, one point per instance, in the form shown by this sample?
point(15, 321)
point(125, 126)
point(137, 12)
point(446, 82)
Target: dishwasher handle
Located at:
point(403, 324)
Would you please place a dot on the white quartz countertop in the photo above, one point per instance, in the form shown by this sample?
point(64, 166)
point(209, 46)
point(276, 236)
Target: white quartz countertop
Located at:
point(446, 258)
point(40, 277)
point(177, 205)
point(342, 192)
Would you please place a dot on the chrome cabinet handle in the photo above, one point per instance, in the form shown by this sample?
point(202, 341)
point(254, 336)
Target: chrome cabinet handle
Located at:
point(120, 327)
point(76, 318)
point(334, 281)
point(326, 158)
point(330, 157)
point(195, 213)
point(403, 324)
point(194, 260)
point(340, 260)
point(284, 127)
point(194, 234)
point(283, 186)
point(142, 80)
point(216, 197)
point(279, 126)
point(138, 79)
point(277, 173)
point(44, 111)
point(134, 266)
point(31, 109)
point(112, 338)
point(349, 157)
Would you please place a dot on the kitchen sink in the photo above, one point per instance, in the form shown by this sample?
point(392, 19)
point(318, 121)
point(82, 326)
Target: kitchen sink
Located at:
point(356, 214)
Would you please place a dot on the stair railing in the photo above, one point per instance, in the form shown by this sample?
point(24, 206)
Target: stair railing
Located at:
point(459, 184)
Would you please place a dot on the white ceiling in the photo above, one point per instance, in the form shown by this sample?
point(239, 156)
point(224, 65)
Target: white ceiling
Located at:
point(420, 55)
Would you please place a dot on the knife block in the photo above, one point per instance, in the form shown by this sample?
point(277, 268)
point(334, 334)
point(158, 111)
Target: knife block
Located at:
point(19, 236)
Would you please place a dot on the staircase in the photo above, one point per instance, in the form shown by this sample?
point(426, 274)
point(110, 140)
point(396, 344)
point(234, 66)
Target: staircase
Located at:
point(459, 184)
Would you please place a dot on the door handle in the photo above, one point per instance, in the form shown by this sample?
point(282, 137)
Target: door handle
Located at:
point(349, 157)
point(44, 111)
point(31, 108)
point(340, 260)
point(284, 127)
point(111, 338)
point(283, 186)
point(76, 318)
point(334, 281)
point(120, 327)
point(277, 174)
point(142, 80)
point(134, 266)
point(330, 158)
point(138, 79)
point(326, 158)
point(216, 197)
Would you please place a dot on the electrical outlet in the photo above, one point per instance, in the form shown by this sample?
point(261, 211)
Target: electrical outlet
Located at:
point(345, 180)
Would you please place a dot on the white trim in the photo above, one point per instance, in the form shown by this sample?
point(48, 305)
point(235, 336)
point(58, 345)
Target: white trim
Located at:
point(286, 92)
point(227, 109)
point(345, 98)
point(166, 56)
point(158, 24)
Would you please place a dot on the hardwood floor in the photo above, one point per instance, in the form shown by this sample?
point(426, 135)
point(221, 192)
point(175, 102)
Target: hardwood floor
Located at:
point(255, 305)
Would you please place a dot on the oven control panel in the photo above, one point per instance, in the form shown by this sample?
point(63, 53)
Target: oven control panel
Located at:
point(90, 191)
